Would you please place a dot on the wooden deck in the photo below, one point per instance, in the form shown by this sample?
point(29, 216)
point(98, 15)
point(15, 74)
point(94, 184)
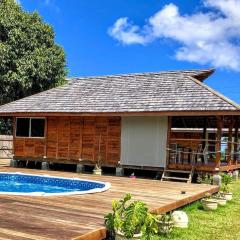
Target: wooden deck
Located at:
point(81, 216)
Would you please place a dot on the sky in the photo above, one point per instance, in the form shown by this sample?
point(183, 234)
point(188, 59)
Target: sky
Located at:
point(102, 37)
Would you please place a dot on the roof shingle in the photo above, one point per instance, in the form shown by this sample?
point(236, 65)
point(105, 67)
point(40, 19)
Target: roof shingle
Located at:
point(144, 92)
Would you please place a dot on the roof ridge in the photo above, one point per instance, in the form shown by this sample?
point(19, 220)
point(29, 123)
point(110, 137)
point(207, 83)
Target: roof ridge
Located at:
point(186, 71)
point(216, 93)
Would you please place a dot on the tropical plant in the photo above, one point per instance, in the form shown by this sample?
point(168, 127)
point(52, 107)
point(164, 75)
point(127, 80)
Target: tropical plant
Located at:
point(226, 181)
point(150, 226)
point(134, 218)
point(113, 221)
point(130, 219)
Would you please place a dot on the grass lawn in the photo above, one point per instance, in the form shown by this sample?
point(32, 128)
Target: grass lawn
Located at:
point(222, 224)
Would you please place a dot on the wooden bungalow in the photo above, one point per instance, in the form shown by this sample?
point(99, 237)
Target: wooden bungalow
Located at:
point(149, 121)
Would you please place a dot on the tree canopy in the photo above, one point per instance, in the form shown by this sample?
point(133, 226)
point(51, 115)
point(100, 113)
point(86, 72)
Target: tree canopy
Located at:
point(30, 60)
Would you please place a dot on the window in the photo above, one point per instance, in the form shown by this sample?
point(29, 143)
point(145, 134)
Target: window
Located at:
point(23, 125)
point(30, 127)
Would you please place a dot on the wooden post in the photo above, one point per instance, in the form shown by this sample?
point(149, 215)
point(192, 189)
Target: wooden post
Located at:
point(204, 133)
point(236, 139)
point(168, 139)
point(218, 141)
point(14, 135)
point(81, 122)
point(230, 137)
point(45, 138)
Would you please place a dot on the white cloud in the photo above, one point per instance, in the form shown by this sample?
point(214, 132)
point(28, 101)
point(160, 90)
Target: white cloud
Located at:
point(209, 37)
point(126, 32)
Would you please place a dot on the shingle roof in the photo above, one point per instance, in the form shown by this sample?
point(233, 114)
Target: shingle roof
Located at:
point(143, 92)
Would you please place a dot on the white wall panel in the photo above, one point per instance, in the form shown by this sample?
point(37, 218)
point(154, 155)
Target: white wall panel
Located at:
point(143, 141)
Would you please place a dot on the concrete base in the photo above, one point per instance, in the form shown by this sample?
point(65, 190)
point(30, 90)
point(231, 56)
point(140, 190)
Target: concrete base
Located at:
point(217, 180)
point(80, 168)
point(235, 175)
point(13, 163)
point(119, 171)
point(45, 166)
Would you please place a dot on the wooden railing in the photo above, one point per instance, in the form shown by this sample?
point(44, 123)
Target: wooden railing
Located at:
point(202, 152)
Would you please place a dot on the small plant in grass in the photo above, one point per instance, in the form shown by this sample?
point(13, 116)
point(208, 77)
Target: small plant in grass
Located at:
point(165, 224)
point(205, 178)
point(226, 186)
point(208, 203)
point(220, 198)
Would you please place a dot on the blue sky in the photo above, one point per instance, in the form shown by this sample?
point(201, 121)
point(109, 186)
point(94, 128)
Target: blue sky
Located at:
point(123, 36)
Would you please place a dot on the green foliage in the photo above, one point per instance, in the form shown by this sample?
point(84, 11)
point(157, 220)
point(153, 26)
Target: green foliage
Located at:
point(134, 218)
point(30, 61)
point(226, 181)
point(130, 218)
point(205, 178)
point(113, 220)
point(150, 226)
point(165, 224)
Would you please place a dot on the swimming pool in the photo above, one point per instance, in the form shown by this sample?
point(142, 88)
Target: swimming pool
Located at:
point(45, 185)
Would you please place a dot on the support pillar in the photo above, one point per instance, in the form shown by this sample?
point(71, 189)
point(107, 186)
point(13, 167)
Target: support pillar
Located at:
point(236, 140)
point(119, 171)
point(13, 163)
point(218, 141)
point(45, 166)
point(80, 168)
point(230, 138)
point(235, 175)
point(217, 180)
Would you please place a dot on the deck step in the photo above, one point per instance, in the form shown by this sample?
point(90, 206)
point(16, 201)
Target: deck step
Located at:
point(177, 171)
point(177, 175)
point(176, 178)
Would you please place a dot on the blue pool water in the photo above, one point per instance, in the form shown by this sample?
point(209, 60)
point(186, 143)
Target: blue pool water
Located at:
point(28, 184)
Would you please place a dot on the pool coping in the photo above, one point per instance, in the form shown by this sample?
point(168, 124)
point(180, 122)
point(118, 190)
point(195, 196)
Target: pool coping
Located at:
point(43, 194)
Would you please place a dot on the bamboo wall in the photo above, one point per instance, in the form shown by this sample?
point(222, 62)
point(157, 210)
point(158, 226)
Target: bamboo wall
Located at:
point(74, 139)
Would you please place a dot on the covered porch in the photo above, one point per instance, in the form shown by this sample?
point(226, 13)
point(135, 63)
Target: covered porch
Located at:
point(205, 143)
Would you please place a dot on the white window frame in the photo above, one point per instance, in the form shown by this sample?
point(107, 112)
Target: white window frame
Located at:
point(30, 127)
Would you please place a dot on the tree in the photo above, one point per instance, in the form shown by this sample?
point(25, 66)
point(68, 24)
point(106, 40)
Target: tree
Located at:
point(30, 61)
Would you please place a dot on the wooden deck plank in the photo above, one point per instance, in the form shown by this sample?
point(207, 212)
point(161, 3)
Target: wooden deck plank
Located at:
point(81, 216)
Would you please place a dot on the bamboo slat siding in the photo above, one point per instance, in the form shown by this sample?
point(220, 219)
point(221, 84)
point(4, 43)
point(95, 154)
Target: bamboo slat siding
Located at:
point(75, 138)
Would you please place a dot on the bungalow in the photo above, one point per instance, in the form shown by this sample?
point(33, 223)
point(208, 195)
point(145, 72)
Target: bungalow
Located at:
point(131, 120)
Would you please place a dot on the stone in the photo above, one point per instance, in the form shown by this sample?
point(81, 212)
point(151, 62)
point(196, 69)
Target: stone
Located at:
point(13, 163)
point(119, 171)
point(180, 219)
point(80, 168)
point(217, 180)
point(235, 175)
point(45, 166)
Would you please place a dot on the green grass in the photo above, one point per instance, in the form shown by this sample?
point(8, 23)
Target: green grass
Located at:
point(222, 224)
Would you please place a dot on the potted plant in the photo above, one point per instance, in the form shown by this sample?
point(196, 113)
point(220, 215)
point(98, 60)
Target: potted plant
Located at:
point(130, 220)
point(165, 224)
point(208, 203)
point(220, 198)
point(225, 188)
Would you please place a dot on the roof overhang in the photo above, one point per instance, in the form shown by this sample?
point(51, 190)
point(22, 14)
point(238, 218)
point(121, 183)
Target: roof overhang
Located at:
point(167, 113)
